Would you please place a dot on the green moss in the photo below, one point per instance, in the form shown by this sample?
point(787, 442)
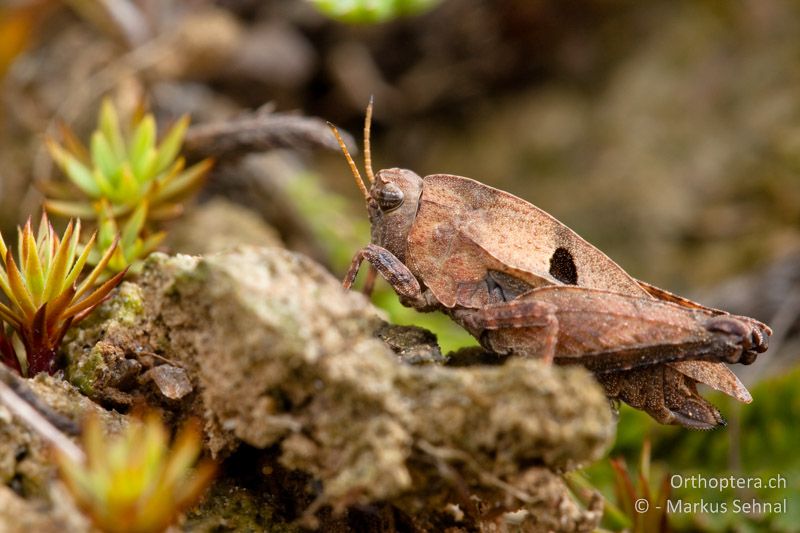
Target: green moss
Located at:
point(122, 310)
point(227, 507)
point(762, 437)
point(83, 371)
point(127, 304)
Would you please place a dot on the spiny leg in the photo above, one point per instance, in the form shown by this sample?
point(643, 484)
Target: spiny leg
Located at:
point(665, 394)
point(391, 269)
point(369, 283)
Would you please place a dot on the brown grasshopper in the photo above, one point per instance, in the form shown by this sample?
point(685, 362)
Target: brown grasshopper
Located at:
point(523, 283)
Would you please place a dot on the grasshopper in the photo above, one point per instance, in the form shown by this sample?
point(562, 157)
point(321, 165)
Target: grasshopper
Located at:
point(522, 283)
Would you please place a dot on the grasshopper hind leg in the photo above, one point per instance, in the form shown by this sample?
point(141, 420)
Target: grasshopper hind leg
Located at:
point(665, 394)
point(527, 328)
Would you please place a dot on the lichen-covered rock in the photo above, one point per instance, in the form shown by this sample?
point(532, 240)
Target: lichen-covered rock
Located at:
point(279, 355)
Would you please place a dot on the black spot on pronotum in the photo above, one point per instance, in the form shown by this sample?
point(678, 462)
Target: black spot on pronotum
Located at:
point(562, 267)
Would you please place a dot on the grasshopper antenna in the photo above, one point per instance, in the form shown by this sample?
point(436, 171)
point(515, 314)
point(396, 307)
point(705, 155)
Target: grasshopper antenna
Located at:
point(353, 167)
point(367, 151)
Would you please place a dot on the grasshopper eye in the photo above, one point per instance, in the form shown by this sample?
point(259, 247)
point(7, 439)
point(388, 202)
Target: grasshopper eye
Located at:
point(389, 197)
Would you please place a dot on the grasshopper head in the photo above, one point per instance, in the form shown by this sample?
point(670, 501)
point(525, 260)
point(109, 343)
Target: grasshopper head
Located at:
point(392, 205)
point(392, 198)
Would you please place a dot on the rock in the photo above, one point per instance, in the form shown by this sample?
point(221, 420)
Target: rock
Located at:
point(29, 500)
point(282, 359)
point(24, 460)
point(171, 381)
point(18, 515)
point(413, 345)
point(219, 225)
point(101, 362)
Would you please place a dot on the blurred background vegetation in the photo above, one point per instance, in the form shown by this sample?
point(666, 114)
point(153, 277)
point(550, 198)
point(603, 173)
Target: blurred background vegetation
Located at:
point(665, 132)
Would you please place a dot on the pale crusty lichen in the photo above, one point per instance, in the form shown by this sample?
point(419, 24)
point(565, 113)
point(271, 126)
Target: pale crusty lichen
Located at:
point(281, 356)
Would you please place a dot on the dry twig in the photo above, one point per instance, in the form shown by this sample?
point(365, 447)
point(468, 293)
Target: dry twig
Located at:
point(258, 132)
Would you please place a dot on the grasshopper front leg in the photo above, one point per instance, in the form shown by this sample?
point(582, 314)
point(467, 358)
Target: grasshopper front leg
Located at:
point(393, 270)
point(537, 318)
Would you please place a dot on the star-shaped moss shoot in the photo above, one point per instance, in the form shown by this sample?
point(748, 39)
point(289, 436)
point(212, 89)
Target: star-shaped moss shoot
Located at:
point(136, 483)
point(43, 294)
point(124, 170)
point(135, 241)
